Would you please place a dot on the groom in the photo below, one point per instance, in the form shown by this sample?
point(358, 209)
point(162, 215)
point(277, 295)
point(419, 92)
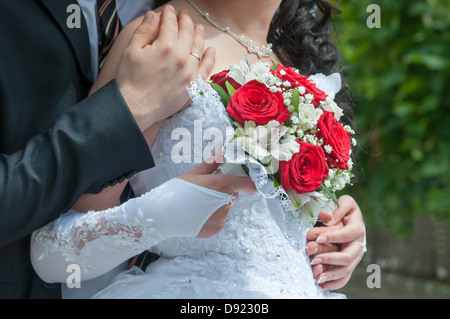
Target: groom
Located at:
point(56, 143)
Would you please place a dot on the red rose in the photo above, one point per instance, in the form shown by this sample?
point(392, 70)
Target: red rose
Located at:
point(255, 102)
point(306, 170)
point(222, 77)
point(334, 135)
point(297, 80)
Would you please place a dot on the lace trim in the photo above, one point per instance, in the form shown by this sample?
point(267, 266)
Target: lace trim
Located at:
point(91, 231)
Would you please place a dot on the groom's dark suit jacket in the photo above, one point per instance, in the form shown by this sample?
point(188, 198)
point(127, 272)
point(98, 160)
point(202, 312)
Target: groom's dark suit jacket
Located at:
point(55, 143)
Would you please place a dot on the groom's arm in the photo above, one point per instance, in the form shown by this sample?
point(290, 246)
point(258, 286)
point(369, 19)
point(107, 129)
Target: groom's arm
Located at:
point(98, 142)
point(164, 75)
point(95, 144)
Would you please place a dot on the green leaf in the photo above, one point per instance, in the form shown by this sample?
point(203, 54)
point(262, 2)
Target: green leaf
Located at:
point(295, 99)
point(331, 194)
point(230, 88)
point(274, 65)
point(276, 183)
point(224, 97)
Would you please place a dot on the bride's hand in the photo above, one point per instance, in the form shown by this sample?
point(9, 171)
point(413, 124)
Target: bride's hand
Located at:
point(338, 244)
point(203, 175)
point(217, 221)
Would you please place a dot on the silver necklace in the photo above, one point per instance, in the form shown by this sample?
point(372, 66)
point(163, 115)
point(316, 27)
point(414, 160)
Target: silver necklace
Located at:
point(264, 51)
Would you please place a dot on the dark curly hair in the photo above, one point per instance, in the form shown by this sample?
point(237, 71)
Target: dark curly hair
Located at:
point(302, 40)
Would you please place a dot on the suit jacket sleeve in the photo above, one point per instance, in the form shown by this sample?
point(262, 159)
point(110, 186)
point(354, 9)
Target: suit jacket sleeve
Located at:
point(94, 144)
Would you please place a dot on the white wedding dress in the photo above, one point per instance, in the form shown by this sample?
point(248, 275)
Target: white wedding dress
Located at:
point(260, 253)
point(250, 258)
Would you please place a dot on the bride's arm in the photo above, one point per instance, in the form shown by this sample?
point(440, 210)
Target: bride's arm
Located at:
point(99, 241)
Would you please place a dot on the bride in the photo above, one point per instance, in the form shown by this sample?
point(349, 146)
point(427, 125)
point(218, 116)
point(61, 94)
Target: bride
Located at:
point(251, 257)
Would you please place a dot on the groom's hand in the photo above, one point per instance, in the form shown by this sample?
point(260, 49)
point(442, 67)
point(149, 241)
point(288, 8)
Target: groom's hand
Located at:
point(204, 175)
point(157, 64)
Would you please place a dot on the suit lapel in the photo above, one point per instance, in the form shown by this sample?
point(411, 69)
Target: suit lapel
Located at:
point(78, 37)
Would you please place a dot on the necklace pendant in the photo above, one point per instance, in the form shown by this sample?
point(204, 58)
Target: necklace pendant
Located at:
point(262, 52)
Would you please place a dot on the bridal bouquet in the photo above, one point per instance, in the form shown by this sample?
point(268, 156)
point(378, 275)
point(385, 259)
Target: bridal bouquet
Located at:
point(284, 122)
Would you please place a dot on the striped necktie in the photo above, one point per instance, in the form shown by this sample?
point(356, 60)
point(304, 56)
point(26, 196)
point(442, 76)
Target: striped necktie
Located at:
point(110, 27)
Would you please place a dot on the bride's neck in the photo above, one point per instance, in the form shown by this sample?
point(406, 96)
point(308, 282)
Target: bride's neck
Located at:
point(250, 18)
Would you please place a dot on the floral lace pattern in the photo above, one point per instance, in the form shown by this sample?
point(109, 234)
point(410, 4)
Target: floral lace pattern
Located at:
point(89, 231)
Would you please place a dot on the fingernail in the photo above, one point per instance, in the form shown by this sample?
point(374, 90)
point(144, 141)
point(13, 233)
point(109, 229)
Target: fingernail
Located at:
point(148, 17)
point(321, 239)
point(322, 280)
point(316, 261)
point(201, 27)
point(312, 252)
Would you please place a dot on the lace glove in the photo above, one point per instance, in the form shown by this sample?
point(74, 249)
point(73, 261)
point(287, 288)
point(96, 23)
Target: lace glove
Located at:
point(99, 241)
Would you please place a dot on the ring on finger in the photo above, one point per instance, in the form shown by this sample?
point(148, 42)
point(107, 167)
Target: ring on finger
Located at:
point(195, 55)
point(362, 244)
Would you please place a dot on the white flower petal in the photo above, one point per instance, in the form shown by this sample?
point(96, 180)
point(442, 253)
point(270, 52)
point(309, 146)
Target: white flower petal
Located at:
point(330, 84)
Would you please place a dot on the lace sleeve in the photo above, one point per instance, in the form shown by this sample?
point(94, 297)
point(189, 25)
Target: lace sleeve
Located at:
point(99, 241)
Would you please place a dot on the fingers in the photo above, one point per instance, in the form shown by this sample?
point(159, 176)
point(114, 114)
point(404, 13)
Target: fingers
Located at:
point(349, 229)
point(186, 33)
point(198, 45)
point(314, 233)
point(336, 278)
point(325, 217)
point(336, 284)
point(208, 56)
point(352, 231)
point(313, 248)
point(331, 277)
point(215, 223)
point(211, 164)
point(207, 63)
point(146, 31)
point(347, 234)
point(346, 206)
point(169, 26)
point(319, 269)
point(207, 167)
point(345, 257)
point(242, 184)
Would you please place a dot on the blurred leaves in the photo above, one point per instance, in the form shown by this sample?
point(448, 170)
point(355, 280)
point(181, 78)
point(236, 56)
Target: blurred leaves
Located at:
point(400, 79)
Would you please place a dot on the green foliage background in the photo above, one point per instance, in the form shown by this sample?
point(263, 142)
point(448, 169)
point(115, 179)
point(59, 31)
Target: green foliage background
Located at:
point(400, 79)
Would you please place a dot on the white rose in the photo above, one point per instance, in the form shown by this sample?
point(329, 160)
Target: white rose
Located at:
point(308, 115)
